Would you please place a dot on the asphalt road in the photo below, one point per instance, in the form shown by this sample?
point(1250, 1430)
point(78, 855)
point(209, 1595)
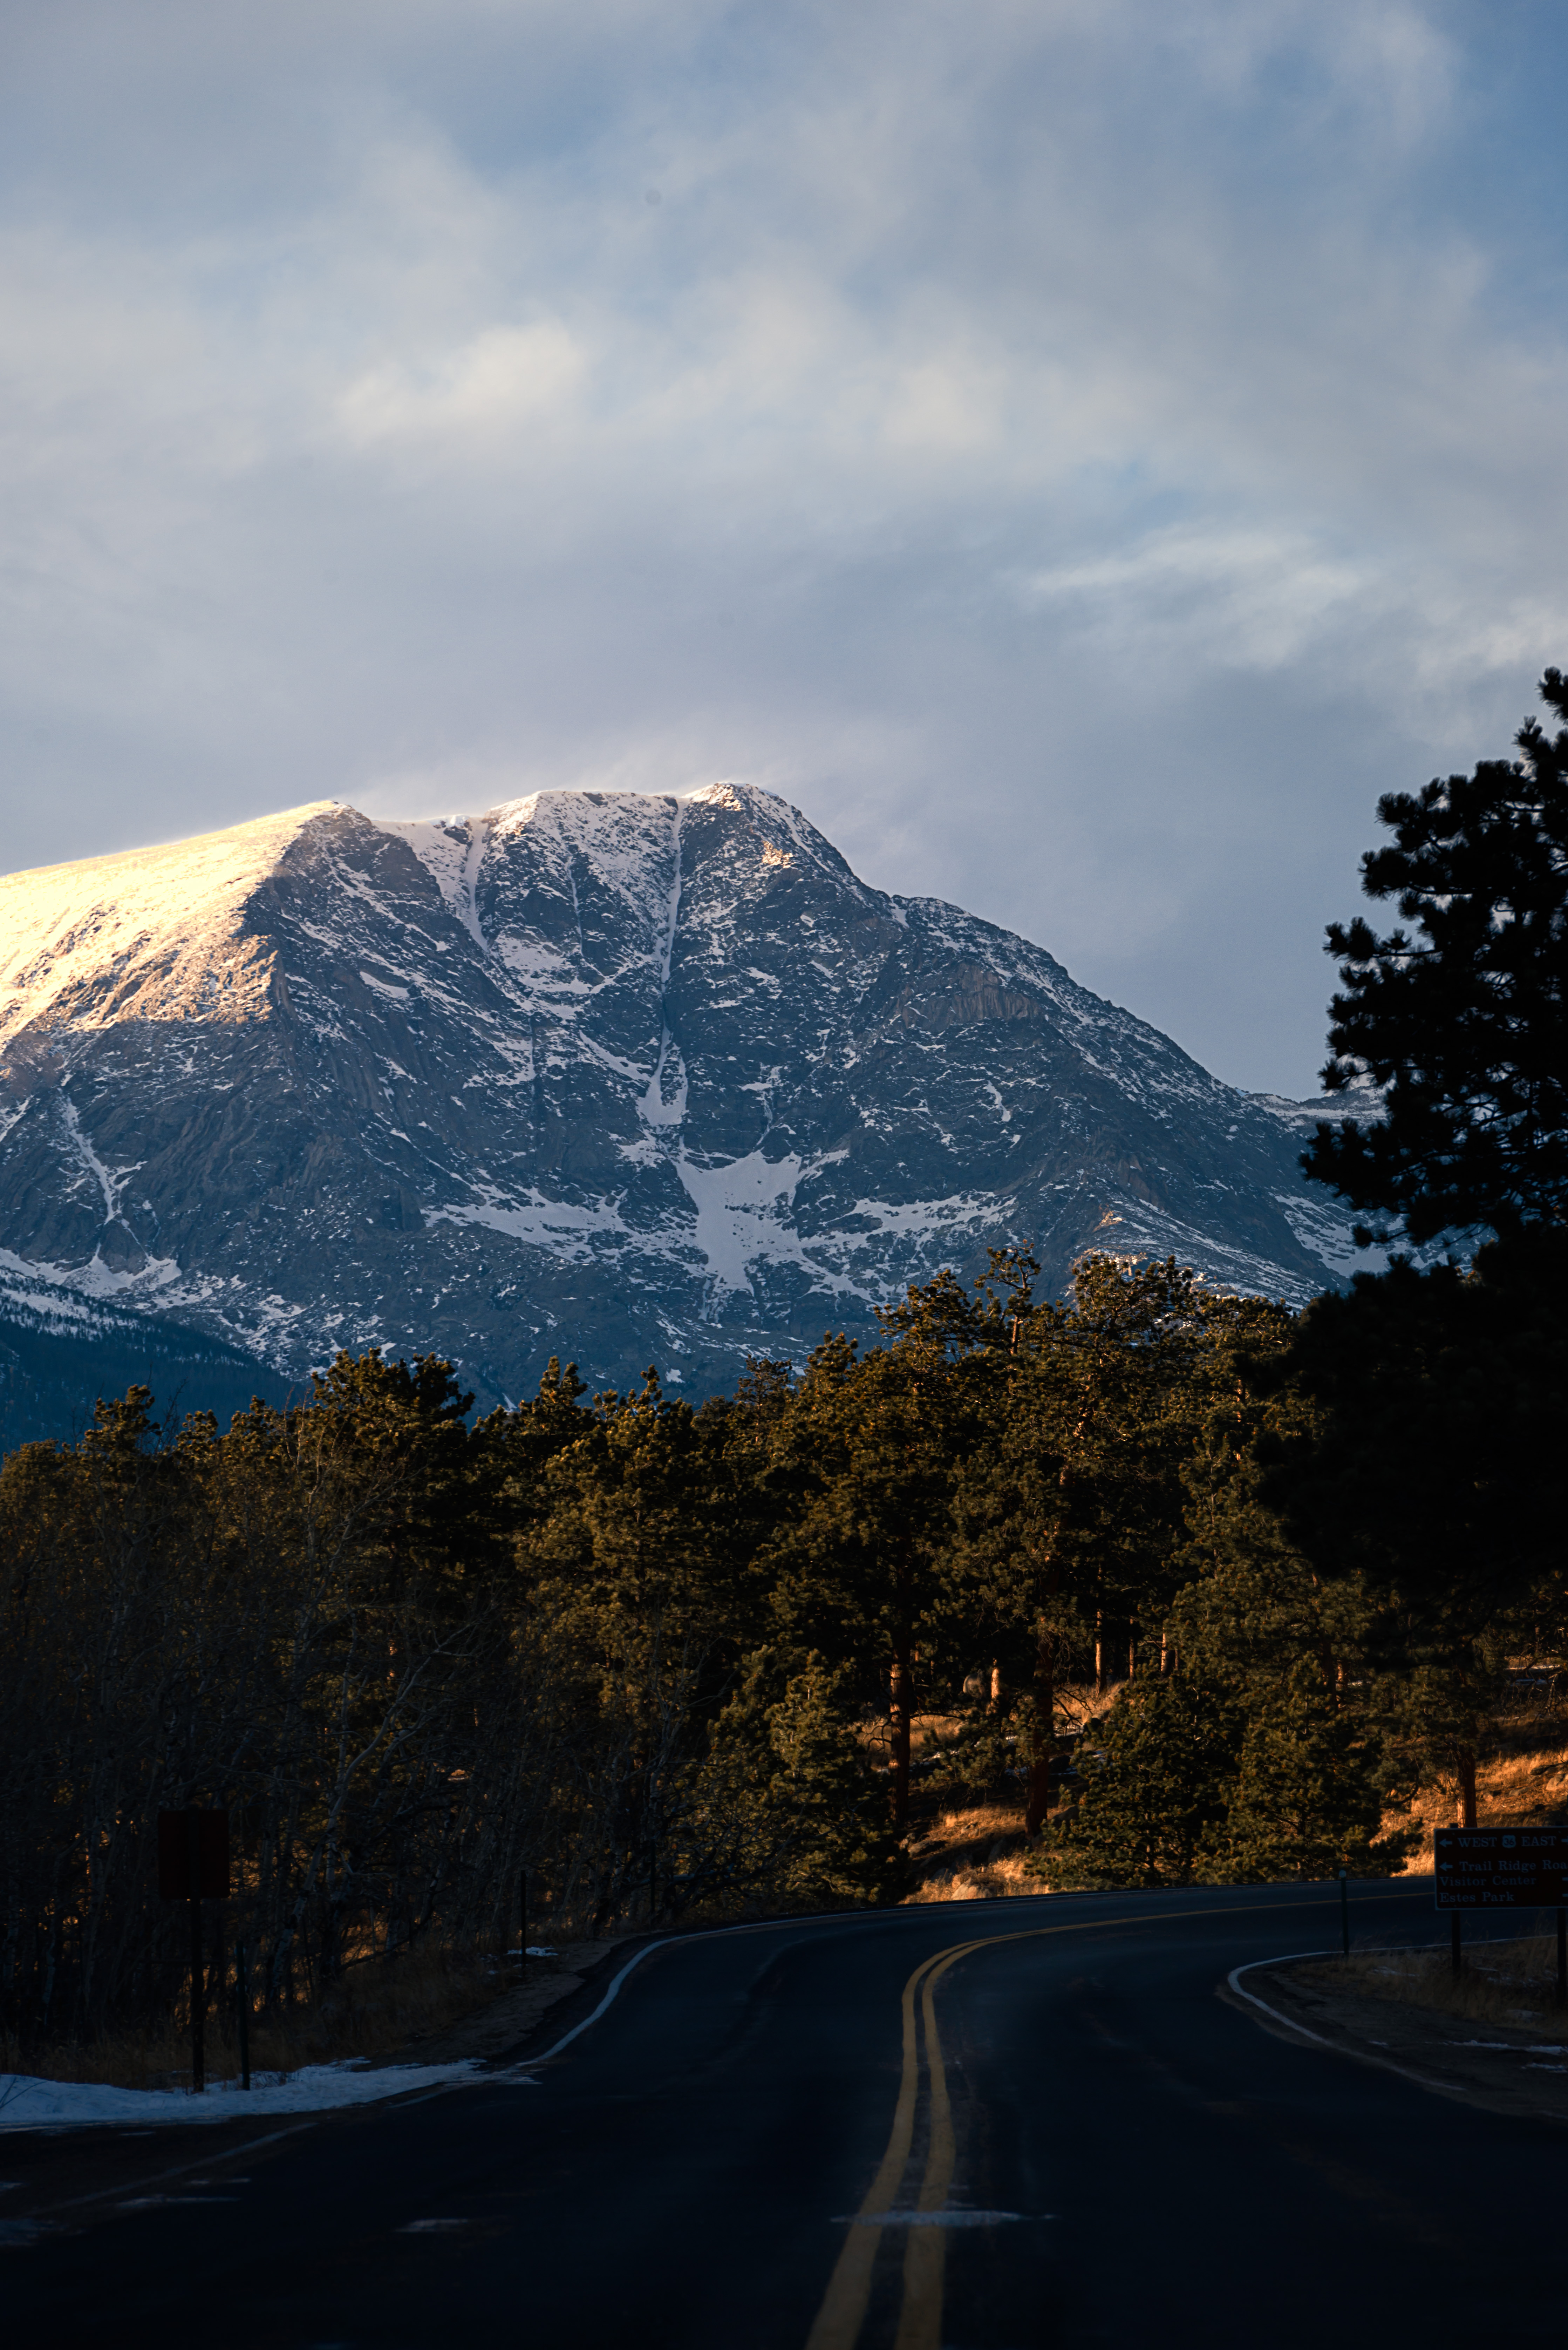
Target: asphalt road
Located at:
point(730, 2158)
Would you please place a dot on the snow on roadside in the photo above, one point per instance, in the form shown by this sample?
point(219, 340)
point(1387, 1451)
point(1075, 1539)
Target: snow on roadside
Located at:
point(30, 2103)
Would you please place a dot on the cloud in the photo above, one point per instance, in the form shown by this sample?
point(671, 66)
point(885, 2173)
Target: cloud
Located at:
point(1082, 450)
point(501, 381)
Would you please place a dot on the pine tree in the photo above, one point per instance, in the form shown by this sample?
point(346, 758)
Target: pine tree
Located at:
point(1069, 1510)
point(1253, 1757)
point(1431, 1479)
point(634, 1601)
point(1303, 1800)
point(788, 1808)
point(1465, 1022)
point(863, 1470)
point(1153, 1799)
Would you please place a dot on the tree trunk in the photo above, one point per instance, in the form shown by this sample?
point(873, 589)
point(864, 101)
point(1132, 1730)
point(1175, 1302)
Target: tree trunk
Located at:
point(1466, 1802)
point(996, 1691)
point(1039, 1802)
point(1115, 1651)
point(898, 1700)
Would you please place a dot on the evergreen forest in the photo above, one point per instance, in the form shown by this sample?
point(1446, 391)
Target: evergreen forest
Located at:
point(667, 1659)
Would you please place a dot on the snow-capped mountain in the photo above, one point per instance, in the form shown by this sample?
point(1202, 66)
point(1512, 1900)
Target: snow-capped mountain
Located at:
point(616, 1076)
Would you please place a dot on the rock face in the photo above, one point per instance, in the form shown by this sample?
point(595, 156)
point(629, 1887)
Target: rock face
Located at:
point(617, 1078)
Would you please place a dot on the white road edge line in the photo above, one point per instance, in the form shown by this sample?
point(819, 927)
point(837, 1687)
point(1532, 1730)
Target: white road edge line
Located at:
point(519, 2073)
point(1357, 2056)
point(1289, 1959)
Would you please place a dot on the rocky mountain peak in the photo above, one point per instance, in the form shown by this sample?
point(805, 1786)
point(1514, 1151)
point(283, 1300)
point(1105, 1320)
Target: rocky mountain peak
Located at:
point(618, 1075)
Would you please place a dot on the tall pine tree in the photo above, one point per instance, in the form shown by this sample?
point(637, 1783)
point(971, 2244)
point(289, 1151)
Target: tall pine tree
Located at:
point(1463, 1018)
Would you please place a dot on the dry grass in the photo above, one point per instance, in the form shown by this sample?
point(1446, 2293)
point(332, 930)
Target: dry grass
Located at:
point(1522, 1780)
point(1081, 1707)
point(1522, 1790)
point(989, 1880)
point(928, 1730)
point(381, 2008)
point(975, 1821)
point(969, 1848)
point(1510, 1984)
point(975, 1851)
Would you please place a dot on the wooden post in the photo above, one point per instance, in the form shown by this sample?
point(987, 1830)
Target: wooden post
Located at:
point(1563, 1957)
point(523, 1923)
point(1454, 1944)
point(242, 2010)
point(899, 1696)
point(214, 1973)
point(1345, 1910)
point(1045, 1736)
point(198, 1985)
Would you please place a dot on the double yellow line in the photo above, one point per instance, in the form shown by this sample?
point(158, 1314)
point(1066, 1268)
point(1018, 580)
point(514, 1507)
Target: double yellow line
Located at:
point(843, 2306)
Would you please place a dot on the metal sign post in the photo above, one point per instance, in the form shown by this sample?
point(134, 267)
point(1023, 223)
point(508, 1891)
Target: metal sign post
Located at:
point(193, 1866)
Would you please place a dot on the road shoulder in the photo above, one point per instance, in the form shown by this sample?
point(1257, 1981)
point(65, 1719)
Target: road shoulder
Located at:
point(1490, 2065)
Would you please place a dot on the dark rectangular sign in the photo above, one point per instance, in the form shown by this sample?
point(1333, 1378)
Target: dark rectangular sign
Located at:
point(1501, 1868)
point(211, 1856)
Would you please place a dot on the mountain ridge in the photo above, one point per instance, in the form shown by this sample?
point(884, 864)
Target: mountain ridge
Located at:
point(612, 1075)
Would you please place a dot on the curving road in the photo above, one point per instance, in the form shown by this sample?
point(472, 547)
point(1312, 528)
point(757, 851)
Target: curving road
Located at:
point(1005, 2126)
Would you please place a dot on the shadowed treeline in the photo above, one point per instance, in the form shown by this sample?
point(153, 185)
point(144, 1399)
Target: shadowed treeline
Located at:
point(666, 1660)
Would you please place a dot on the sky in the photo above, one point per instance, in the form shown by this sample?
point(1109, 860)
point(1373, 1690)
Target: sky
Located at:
point(1080, 451)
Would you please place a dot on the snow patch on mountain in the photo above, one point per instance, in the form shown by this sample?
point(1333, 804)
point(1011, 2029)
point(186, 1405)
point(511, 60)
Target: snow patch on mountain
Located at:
point(739, 1216)
point(558, 1225)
